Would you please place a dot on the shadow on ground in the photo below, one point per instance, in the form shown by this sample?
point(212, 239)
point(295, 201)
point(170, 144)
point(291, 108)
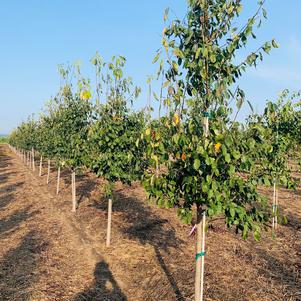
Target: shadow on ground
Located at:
point(105, 287)
point(283, 274)
point(85, 185)
point(4, 176)
point(11, 223)
point(6, 195)
point(293, 222)
point(17, 268)
point(142, 224)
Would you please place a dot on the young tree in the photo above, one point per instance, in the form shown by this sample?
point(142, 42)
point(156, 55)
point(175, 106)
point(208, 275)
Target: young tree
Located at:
point(112, 139)
point(202, 153)
point(276, 129)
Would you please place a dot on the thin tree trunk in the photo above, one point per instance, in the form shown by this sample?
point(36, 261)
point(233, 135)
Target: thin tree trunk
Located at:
point(203, 257)
point(58, 180)
point(41, 162)
point(200, 255)
point(200, 226)
point(48, 173)
point(109, 223)
point(198, 267)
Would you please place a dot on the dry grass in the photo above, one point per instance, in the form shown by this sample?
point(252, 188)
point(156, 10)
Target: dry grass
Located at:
point(49, 253)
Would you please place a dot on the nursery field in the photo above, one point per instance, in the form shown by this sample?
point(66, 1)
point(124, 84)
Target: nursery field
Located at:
point(48, 252)
point(188, 190)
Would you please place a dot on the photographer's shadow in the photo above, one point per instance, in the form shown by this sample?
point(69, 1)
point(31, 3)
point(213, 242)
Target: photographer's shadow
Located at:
point(105, 287)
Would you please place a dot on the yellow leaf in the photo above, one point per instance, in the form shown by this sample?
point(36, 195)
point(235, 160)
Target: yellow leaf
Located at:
point(217, 147)
point(85, 95)
point(176, 119)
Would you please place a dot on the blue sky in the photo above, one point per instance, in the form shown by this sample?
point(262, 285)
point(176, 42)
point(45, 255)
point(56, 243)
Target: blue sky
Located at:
point(38, 35)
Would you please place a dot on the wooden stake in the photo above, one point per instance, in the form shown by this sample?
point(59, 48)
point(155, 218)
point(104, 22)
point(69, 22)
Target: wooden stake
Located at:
point(48, 173)
point(274, 206)
point(109, 223)
point(203, 257)
point(200, 256)
point(41, 162)
point(74, 205)
point(72, 185)
point(200, 248)
point(58, 180)
point(198, 267)
point(33, 165)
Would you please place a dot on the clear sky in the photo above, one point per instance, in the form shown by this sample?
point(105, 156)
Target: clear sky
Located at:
point(38, 35)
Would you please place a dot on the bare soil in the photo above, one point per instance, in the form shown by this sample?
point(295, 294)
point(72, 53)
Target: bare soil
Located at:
point(49, 253)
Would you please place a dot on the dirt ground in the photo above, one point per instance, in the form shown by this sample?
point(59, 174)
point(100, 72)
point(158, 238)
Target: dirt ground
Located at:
point(49, 253)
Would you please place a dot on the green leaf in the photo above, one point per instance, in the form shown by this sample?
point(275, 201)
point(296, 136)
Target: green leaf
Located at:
point(274, 44)
point(197, 54)
point(257, 235)
point(175, 66)
point(212, 58)
point(227, 158)
point(156, 58)
point(196, 164)
point(166, 14)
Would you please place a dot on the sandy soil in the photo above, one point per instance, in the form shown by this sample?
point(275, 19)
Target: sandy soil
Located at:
point(49, 253)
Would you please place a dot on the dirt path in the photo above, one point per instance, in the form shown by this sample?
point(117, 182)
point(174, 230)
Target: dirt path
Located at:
point(49, 253)
point(42, 255)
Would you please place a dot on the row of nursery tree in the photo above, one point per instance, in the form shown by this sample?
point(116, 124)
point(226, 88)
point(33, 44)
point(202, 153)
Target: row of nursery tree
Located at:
point(195, 156)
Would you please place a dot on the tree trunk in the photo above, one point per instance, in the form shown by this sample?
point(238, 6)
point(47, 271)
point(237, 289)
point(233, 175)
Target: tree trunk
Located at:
point(200, 247)
point(41, 162)
point(74, 205)
point(109, 223)
point(200, 255)
point(48, 173)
